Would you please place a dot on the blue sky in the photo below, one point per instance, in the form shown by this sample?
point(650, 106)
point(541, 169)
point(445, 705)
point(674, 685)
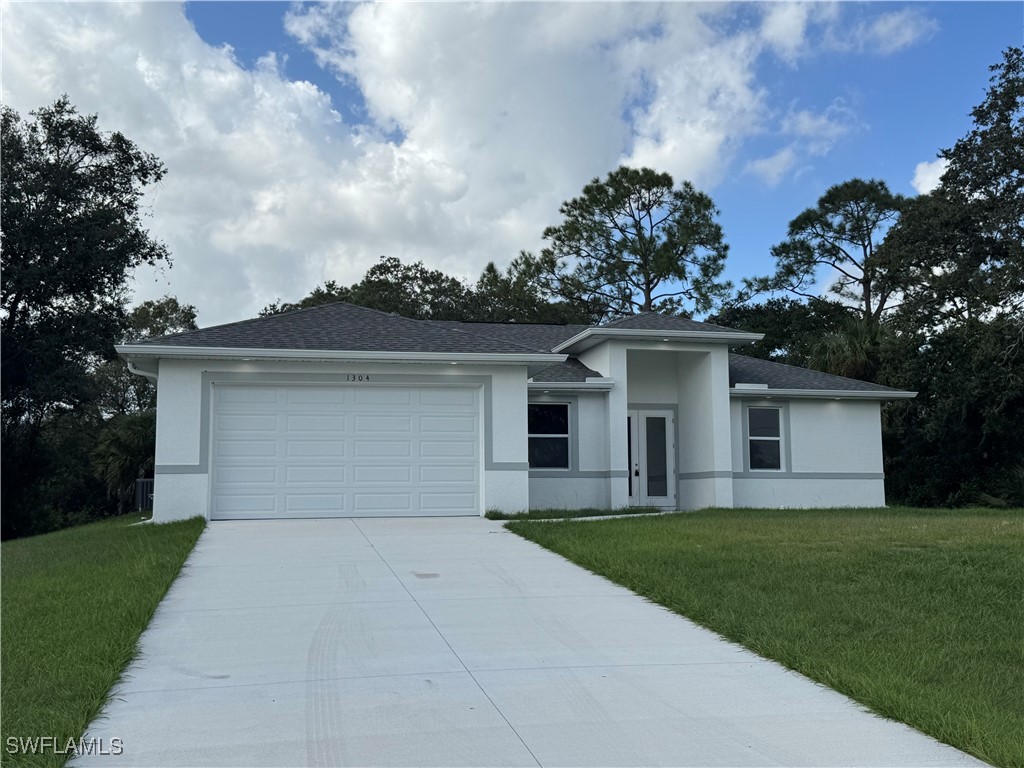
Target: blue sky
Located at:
point(304, 141)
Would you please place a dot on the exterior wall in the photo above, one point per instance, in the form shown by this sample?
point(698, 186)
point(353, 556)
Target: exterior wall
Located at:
point(182, 477)
point(691, 379)
point(832, 456)
point(609, 359)
point(586, 483)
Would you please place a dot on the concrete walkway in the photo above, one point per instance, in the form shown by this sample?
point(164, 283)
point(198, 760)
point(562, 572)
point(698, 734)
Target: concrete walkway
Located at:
point(452, 642)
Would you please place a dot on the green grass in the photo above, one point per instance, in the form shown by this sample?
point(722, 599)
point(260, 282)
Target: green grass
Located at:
point(917, 614)
point(73, 606)
point(561, 514)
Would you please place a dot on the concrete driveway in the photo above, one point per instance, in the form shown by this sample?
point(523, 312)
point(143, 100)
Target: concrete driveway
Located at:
point(451, 642)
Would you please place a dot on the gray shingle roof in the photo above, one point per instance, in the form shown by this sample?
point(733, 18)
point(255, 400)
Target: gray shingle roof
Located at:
point(752, 370)
point(342, 326)
point(538, 335)
point(348, 327)
point(655, 321)
point(572, 370)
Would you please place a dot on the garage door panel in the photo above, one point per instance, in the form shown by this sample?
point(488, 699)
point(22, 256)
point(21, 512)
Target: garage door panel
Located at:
point(230, 396)
point(458, 397)
point(448, 474)
point(253, 448)
point(248, 502)
point(380, 423)
point(382, 502)
point(306, 475)
point(245, 476)
point(320, 422)
point(348, 451)
point(383, 449)
point(385, 474)
point(383, 396)
point(298, 449)
point(320, 396)
point(246, 423)
point(439, 501)
point(465, 425)
point(312, 502)
point(430, 449)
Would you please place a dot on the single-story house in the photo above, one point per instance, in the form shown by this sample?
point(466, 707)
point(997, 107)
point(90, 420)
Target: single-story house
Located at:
point(343, 411)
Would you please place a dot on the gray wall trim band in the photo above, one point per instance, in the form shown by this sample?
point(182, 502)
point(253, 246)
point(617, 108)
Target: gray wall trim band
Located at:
point(769, 474)
point(221, 377)
point(709, 475)
point(178, 469)
point(564, 474)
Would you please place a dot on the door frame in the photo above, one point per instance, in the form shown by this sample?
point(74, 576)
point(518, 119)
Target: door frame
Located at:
point(637, 453)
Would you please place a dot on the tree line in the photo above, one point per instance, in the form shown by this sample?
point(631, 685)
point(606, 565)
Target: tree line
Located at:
point(922, 293)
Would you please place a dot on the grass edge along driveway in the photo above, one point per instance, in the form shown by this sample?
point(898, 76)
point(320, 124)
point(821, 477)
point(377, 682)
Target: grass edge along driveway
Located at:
point(74, 604)
point(914, 613)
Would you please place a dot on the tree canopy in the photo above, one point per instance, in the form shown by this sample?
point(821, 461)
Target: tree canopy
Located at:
point(72, 233)
point(637, 242)
point(841, 235)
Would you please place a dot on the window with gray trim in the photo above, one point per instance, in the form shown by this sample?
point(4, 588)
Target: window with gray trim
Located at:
point(548, 435)
point(764, 437)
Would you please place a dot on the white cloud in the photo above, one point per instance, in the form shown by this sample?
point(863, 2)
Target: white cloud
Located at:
point(820, 131)
point(773, 168)
point(883, 34)
point(480, 120)
point(928, 174)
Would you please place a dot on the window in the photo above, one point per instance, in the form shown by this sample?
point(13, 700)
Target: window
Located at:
point(549, 435)
point(764, 430)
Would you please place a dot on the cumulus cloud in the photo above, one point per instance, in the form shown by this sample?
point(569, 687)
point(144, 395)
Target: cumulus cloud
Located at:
point(928, 174)
point(476, 121)
point(884, 34)
point(819, 131)
point(773, 168)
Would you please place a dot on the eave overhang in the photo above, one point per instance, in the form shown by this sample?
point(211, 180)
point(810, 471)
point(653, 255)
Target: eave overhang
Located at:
point(820, 394)
point(590, 385)
point(138, 352)
point(591, 337)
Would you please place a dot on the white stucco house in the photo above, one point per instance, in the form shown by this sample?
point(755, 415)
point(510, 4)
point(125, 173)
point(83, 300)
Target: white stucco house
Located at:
point(343, 411)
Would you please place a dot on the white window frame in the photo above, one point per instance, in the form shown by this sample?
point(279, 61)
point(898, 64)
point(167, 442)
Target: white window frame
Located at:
point(781, 439)
point(566, 436)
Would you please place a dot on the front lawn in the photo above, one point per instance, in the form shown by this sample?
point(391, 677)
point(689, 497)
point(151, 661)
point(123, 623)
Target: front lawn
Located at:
point(73, 606)
point(918, 614)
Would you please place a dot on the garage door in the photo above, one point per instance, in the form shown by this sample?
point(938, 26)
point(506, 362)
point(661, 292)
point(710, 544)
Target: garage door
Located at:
point(334, 451)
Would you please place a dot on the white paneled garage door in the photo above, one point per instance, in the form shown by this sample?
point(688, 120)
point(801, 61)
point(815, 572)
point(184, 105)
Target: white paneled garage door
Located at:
point(345, 451)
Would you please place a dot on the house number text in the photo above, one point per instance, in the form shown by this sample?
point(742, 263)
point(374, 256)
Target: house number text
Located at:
point(357, 377)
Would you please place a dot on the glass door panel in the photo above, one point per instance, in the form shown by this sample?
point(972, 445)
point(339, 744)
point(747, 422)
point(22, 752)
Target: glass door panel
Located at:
point(657, 456)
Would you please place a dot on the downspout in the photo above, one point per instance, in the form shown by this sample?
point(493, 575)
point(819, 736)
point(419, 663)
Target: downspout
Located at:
point(139, 372)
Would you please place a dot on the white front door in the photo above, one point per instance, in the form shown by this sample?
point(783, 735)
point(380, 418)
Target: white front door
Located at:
point(652, 459)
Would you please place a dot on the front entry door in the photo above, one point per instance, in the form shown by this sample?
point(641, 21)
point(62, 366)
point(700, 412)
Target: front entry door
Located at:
point(652, 459)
